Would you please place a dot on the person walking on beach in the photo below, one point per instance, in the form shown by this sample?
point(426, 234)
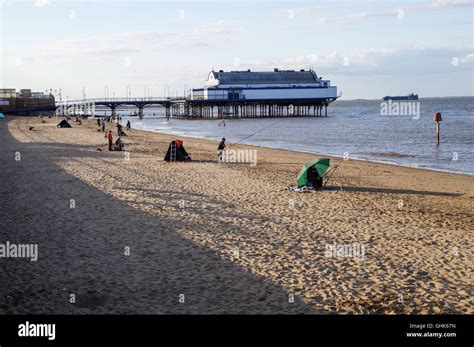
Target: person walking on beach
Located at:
point(111, 138)
point(220, 150)
point(103, 125)
point(129, 126)
point(221, 115)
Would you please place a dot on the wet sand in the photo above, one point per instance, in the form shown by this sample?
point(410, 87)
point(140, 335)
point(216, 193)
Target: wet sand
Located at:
point(208, 237)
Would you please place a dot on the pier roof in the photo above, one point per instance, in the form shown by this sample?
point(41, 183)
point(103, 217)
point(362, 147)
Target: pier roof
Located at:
point(264, 77)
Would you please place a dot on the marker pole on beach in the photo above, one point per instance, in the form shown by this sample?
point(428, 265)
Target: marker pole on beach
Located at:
point(437, 119)
point(437, 133)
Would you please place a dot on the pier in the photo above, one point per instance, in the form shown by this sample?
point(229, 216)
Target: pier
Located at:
point(249, 94)
point(231, 94)
point(195, 109)
point(83, 106)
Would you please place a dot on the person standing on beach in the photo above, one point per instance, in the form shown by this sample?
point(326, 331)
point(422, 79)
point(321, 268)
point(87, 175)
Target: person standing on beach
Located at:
point(220, 150)
point(128, 127)
point(119, 129)
point(103, 125)
point(111, 138)
point(221, 115)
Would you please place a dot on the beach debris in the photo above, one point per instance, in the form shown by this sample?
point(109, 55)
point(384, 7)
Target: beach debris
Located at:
point(303, 189)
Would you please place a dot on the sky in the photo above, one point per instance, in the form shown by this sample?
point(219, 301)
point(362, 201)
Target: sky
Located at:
point(368, 49)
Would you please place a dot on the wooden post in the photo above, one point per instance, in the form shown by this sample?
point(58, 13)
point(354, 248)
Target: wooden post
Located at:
point(437, 118)
point(437, 133)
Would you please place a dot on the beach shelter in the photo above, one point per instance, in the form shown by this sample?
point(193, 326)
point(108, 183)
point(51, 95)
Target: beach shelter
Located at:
point(64, 124)
point(2, 116)
point(321, 165)
point(176, 152)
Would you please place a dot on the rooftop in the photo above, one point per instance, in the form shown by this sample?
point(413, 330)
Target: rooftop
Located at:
point(266, 77)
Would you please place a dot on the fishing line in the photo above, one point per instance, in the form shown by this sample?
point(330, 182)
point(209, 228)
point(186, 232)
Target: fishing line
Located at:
point(256, 132)
point(331, 172)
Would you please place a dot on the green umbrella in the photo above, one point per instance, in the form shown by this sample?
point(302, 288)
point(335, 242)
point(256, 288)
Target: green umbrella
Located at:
point(321, 166)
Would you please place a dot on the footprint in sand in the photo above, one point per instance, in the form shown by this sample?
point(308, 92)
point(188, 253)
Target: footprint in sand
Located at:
point(90, 299)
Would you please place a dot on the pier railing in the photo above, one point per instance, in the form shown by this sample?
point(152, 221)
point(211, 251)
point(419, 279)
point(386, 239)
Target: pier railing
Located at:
point(119, 100)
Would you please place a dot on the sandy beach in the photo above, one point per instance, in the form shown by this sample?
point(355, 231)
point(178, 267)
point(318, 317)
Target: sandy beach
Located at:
point(149, 237)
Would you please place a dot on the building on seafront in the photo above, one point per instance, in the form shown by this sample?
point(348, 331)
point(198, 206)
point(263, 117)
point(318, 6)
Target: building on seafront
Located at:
point(247, 94)
point(26, 102)
point(276, 85)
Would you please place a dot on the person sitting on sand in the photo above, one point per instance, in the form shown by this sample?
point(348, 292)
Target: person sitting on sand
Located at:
point(119, 144)
point(220, 150)
point(120, 131)
point(111, 138)
point(314, 180)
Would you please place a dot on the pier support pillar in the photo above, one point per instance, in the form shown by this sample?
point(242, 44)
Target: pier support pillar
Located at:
point(113, 109)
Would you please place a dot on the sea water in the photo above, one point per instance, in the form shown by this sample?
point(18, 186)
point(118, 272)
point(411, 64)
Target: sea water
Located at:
point(356, 129)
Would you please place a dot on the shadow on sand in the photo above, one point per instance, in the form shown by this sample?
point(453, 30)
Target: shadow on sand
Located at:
point(392, 191)
point(82, 250)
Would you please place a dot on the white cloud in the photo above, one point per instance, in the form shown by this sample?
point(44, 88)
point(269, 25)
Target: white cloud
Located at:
point(467, 58)
point(443, 4)
point(365, 15)
point(213, 34)
point(42, 3)
point(432, 6)
point(407, 60)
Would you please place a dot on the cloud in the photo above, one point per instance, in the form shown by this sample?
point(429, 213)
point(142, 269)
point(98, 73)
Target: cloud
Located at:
point(467, 58)
point(432, 6)
point(407, 60)
point(208, 35)
point(42, 3)
point(365, 15)
point(442, 4)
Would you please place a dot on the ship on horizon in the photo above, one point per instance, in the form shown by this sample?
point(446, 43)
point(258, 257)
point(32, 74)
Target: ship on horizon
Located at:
point(410, 96)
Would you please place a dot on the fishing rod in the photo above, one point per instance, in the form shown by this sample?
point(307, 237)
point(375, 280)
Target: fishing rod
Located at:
point(256, 132)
